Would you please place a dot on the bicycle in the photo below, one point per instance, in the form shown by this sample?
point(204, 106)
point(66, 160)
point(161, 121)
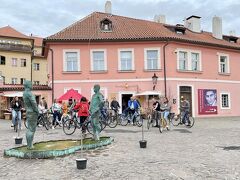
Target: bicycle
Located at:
point(72, 123)
point(41, 121)
point(129, 117)
point(152, 117)
point(178, 120)
point(114, 118)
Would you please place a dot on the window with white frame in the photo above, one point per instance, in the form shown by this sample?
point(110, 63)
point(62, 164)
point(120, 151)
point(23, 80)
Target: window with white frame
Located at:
point(195, 61)
point(152, 59)
point(23, 62)
point(223, 63)
point(125, 60)
point(71, 60)
point(225, 100)
point(36, 82)
point(98, 60)
point(22, 80)
point(14, 80)
point(36, 66)
point(183, 60)
point(189, 60)
point(14, 62)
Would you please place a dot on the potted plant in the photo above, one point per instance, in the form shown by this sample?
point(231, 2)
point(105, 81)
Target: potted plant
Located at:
point(81, 162)
point(18, 139)
point(143, 143)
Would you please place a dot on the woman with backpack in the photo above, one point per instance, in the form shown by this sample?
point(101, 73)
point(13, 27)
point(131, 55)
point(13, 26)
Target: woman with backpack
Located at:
point(83, 111)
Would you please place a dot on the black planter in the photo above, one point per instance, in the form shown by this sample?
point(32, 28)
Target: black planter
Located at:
point(18, 140)
point(143, 144)
point(81, 163)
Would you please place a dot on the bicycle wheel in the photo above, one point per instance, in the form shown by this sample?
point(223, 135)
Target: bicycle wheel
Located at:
point(139, 120)
point(192, 121)
point(124, 120)
point(175, 120)
point(161, 125)
point(112, 122)
point(69, 127)
point(90, 127)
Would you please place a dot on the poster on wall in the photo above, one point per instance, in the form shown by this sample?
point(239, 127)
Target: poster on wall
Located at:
point(207, 101)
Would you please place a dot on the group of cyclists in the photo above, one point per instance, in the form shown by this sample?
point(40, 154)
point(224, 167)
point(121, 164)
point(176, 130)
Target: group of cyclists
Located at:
point(160, 109)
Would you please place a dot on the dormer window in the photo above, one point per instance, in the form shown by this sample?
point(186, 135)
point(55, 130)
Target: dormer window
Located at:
point(106, 25)
point(231, 39)
point(180, 29)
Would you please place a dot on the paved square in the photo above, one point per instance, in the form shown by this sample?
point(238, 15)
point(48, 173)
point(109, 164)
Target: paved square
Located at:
point(209, 150)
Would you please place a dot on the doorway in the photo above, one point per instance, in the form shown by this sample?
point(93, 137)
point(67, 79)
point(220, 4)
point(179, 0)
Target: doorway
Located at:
point(124, 100)
point(186, 92)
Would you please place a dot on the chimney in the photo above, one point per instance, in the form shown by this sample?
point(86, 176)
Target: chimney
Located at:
point(160, 19)
point(217, 27)
point(108, 7)
point(193, 23)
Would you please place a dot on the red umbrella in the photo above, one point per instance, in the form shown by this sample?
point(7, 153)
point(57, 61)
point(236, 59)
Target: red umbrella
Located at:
point(71, 93)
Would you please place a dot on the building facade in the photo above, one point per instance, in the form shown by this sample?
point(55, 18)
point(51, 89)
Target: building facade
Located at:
point(122, 54)
point(21, 59)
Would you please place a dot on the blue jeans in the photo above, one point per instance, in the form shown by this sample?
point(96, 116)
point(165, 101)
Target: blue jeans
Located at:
point(14, 115)
point(185, 117)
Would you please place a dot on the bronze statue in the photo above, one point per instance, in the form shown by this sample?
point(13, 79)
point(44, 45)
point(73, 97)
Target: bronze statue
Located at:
point(31, 113)
point(96, 105)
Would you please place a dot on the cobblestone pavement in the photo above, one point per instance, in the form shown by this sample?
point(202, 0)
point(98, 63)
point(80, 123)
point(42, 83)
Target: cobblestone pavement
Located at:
point(209, 150)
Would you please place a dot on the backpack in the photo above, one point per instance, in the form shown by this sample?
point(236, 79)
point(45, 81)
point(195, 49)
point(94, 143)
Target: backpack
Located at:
point(84, 108)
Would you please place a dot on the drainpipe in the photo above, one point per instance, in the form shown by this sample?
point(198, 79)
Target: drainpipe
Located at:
point(32, 54)
point(52, 75)
point(164, 68)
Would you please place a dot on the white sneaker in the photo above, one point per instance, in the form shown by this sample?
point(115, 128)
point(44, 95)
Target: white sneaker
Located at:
point(53, 127)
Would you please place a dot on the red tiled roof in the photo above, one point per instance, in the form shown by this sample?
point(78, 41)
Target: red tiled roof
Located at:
point(125, 28)
point(11, 32)
point(37, 40)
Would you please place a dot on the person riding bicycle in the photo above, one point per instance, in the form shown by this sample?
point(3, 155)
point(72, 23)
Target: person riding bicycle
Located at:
point(41, 110)
point(56, 109)
point(166, 110)
point(156, 111)
point(185, 108)
point(133, 107)
point(83, 112)
point(16, 106)
point(114, 105)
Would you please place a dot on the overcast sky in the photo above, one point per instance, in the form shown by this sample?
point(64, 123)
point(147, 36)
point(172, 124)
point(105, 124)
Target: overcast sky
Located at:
point(47, 17)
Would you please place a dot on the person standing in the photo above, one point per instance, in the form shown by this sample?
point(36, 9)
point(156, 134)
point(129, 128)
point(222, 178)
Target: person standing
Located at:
point(44, 103)
point(133, 107)
point(185, 108)
point(83, 112)
point(16, 106)
point(56, 109)
point(156, 111)
point(166, 110)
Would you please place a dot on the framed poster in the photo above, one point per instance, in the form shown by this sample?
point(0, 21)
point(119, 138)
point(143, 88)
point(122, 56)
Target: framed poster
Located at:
point(207, 101)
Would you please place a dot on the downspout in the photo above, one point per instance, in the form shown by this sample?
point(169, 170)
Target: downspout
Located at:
point(52, 75)
point(32, 54)
point(164, 68)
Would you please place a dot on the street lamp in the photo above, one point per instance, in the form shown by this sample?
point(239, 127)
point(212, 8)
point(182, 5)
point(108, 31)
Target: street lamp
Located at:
point(154, 80)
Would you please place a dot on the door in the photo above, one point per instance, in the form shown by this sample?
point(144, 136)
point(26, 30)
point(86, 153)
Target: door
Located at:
point(186, 92)
point(125, 99)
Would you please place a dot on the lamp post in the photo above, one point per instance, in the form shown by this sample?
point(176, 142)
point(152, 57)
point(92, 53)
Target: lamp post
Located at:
point(154, 80)
point(52, 75)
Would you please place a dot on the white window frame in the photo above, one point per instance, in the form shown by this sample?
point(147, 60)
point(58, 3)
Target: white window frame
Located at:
point(105, 58)
point(35, 67)
point(104, 89)
point(158, 58)
point(65, 60)
point(189, 59)
point(119, 59)
point(229, 100)
point(219, 63)
point(36, 82)
point(68, 88)
point(14, 62)
point(14, 80)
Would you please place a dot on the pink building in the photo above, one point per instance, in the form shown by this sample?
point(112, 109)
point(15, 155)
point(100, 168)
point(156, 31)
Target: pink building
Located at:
point(122, 54)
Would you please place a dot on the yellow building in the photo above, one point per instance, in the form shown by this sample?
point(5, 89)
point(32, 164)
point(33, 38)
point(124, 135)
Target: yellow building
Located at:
point(21, 58)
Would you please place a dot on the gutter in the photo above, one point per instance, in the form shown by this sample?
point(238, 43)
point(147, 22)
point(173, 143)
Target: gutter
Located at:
point(164, 68)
